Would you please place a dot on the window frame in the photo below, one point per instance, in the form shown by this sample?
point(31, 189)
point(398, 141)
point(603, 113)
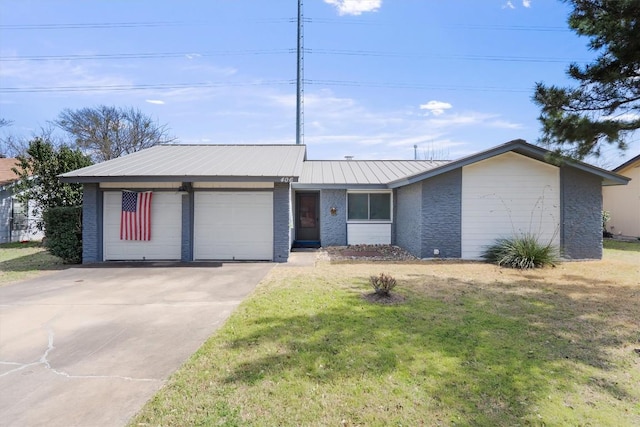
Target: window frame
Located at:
point(369, 220)
point(19, 215)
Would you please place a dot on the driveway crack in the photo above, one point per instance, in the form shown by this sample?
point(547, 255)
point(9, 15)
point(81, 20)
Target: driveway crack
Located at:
point(44, 360)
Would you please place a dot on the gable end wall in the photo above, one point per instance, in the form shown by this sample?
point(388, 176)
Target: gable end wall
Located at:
point(581, 233)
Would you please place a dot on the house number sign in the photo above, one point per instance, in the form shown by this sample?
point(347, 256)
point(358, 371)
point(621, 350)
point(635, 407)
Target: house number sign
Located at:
point(286, 179)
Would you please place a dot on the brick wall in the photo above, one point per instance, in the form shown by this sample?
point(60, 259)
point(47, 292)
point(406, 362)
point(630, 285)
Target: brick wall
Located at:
point(581, 213)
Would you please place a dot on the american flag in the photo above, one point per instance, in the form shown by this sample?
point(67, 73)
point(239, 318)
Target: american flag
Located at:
point(135, 222)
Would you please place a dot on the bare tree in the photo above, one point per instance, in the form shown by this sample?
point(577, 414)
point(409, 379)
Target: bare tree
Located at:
point(15, 146)
point(106, 132)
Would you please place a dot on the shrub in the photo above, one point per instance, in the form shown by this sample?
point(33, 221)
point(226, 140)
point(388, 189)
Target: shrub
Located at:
point(523, 251)
point(383, 284)
point(63, 229)
point(606, 216)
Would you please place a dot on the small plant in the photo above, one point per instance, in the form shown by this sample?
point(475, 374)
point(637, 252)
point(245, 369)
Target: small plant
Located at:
point(606, 216)
point(523, 251)
point(382, 284)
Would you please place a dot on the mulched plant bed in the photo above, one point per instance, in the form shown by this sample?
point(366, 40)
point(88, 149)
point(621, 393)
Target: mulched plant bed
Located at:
point(368, 253)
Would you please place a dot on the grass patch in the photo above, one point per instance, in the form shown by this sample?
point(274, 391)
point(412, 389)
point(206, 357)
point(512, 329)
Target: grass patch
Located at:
point(472, 344)
point(621, 245)
point(19, 261)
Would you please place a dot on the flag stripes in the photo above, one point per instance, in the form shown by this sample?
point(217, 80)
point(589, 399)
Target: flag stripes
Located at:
point(135, 221)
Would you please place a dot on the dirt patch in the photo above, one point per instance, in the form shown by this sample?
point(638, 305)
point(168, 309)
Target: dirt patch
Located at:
point(390, 299)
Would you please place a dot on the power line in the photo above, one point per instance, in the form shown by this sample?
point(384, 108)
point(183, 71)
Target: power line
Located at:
point(148, 55)
point(409, 85)
point(91, 25)
point(341, 21)
point(438, 56)
point(542, 28)
point(342, 52)
point(133, 87)
point(316, 82)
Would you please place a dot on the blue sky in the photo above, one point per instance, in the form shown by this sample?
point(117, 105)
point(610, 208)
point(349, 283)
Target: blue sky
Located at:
point(453, 77)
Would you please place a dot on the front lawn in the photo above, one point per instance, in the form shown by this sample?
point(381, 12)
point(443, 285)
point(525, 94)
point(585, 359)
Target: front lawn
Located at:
point(471, 344)
point(19, 261)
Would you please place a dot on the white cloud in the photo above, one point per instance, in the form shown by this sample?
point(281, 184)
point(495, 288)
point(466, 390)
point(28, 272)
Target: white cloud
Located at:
point(503, 124)
point(508, 5)
point(526, 3)
point(154, 101)
point(626, 117)
point(436, 107)
point(62, 74)
point(473, 118)
point(355, 7)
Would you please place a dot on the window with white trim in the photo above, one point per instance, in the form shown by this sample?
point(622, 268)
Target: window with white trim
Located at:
point(369, 206)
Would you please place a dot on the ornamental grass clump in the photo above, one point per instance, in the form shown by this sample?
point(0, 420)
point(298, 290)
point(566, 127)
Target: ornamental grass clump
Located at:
point(382, 284)
point(523, 252)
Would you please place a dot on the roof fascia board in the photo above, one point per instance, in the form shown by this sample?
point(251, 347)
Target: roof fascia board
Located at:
point(300, 186)
point(152, 178)
point(609, 178)
point(517, 146)
point(501, 149)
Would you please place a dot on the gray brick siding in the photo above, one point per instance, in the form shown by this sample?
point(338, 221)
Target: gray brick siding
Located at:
point(91, 224)
point(281, 225)
point(581, 213)
point(408, 218)
point(442, 215)
point(333, 228)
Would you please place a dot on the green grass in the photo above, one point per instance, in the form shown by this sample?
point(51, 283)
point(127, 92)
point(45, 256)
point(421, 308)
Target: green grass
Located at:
point(471, 344)
point(19, 261)
point(621, 245)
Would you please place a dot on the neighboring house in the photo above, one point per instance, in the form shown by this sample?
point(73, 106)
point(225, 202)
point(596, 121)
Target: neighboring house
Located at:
point(18, 221)
point(240, 202)
point(623, 203)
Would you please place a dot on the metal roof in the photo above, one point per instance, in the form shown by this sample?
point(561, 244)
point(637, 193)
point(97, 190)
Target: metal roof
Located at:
point(362, 172)
point(627, 163)
point(198, 162)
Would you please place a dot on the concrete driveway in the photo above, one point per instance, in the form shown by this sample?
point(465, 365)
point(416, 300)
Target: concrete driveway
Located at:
point(89, 346)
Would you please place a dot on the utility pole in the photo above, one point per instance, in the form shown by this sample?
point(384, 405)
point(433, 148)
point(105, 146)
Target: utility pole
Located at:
point(300, 77)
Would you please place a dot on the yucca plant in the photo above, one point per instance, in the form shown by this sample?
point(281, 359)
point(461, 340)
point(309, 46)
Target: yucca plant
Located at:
point(523, 251)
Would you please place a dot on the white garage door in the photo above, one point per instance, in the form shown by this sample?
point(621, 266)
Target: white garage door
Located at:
point(233, 225)
point(166, 229)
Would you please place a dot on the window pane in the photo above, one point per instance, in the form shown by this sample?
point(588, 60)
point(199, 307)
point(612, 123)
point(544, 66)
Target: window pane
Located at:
point(20, 218)
point(380, 206)
point(358, 206)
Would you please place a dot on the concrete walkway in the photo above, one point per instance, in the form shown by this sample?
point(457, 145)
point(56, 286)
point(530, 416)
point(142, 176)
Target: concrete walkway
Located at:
point(302, 258)
point(89, 346)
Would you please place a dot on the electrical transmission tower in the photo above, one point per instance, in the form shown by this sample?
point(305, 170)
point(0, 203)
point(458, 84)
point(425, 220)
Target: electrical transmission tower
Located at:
point(300, 78)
